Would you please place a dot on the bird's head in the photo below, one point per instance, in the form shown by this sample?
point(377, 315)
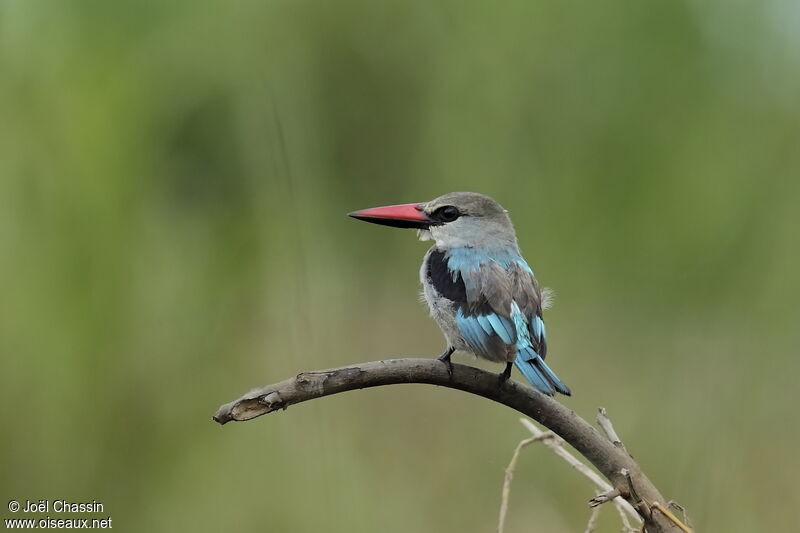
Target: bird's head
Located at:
point(456, 219)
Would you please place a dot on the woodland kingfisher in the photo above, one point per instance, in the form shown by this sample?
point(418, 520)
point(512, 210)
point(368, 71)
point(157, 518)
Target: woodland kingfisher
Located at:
point(480, 291)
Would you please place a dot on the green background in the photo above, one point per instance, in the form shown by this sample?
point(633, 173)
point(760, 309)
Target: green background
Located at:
point(174, 178)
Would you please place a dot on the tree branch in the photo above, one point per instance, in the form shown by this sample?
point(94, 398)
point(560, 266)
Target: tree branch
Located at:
point(613, 462)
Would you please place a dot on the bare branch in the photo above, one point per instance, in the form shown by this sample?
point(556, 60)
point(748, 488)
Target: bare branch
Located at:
point(556, 445)
point(554, 442)
point(606, 457)
point(608, 428)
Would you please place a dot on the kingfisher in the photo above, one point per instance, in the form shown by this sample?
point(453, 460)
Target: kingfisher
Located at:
point(480, 291)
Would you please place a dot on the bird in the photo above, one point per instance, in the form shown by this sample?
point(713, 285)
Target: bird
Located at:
point(478, 287)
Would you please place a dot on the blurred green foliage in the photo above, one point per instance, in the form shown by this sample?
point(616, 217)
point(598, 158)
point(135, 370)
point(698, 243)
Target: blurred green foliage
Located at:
point(173, 183)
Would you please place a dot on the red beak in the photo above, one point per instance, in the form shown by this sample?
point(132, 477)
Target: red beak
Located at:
point(398, 216)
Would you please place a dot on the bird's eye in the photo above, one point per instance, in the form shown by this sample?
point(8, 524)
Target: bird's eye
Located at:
point(447, 213)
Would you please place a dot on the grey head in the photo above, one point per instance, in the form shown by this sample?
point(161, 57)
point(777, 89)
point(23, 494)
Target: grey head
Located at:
point(467, 219)
point(456, 219)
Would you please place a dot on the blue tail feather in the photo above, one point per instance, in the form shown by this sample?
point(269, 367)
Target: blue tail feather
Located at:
point(559, 385)
point(533, 375)
point(538, 373)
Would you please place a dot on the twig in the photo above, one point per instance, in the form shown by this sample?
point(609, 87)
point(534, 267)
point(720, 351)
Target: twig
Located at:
point(510, 475)
point(592, 525)
point(604, 497)
point(608, 428)
point(606, 457)
point(556, 445)
point(627, 527)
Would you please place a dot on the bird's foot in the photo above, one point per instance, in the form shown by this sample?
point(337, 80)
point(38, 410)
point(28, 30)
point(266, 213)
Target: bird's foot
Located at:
point(505, 374)
point(445, 358)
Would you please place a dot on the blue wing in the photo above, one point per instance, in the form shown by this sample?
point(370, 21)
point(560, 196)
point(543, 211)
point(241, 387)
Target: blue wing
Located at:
point(498, 309)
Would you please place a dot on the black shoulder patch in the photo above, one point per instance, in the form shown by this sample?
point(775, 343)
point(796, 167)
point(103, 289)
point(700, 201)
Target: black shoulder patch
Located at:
point(441, 278)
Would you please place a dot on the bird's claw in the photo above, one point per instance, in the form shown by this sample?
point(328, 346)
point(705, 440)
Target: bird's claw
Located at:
point(449, 365)
point(445, 358)
point(505, 374)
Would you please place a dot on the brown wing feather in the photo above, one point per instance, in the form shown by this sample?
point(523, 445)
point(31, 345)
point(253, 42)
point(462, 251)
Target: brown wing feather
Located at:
point(529, 299)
